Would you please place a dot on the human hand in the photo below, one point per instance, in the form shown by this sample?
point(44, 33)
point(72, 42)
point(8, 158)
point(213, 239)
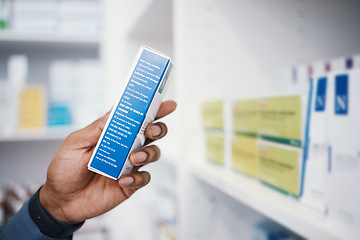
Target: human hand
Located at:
point(73, 194)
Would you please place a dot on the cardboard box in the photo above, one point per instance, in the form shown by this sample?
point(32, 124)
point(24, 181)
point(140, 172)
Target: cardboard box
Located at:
point(140, 99)
point(215, 147)
point(244, 155)
point(280, 166)
point(282, 119)
point(246, 117)
point(212, 115)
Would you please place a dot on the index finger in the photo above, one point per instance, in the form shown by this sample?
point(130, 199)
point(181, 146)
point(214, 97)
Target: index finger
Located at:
point(165, 109)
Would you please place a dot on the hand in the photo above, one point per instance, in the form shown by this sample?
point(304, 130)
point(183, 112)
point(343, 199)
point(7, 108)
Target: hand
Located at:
point(73, 194)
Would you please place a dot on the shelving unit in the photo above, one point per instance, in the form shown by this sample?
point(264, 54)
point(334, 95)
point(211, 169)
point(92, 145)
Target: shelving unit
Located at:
point(225, 50)
point(25, 154)
point(232, 50)
point(11, 38)
point(54, 135)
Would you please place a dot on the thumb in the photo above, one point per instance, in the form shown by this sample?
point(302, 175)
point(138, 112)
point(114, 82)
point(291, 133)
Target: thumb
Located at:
point(89, 135)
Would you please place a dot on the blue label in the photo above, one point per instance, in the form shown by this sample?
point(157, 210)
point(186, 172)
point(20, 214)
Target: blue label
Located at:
point(129, 114)
point(341, 94)
point(320, 100)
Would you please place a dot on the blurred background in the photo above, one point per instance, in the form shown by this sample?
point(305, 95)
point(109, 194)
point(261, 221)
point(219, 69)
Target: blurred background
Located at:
point(253, 151)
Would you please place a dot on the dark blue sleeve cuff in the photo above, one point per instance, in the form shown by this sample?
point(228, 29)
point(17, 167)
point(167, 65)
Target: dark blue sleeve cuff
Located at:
point(46, 223)
point(22, 227)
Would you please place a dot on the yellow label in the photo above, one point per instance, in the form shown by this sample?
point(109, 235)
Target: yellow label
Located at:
point(246, 116)
point(32, 107)
point(244, 155)
point(279, 167)
point(215, 147)
point(280, 117)
point(212, 115)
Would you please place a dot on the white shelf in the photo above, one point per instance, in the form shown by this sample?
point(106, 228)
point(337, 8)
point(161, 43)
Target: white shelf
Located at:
point(46, 135)
point(284, 209)
point(12, 38)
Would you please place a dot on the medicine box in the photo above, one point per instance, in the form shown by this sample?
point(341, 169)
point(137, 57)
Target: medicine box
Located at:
point(140, 99)
point(280, 166)
point(215, 147)
point(282, 119)
point(212, 115)
point(244, 155)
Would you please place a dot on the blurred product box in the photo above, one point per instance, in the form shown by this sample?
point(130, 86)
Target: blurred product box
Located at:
point(8, 109)
point(5, 8)
point(244, 155)
point(17, 70)
point(61, 92)
point(246, 117)
point(78, 17)
point(282, 119)
point(280, 166)
point(56, 17)
point(270, 230)
point(212, 115)
point(34, 17)
point(62, 80)
point(213, 123)
point(89, 99)
point(343, 172)
point(332, 163)
point(245, 114)
point(76, 92)
point(215, 147)
point(32, 110)
point(59, 114)
point(316, 151)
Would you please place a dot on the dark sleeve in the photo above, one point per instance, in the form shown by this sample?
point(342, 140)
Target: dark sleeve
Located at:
point(22, 227)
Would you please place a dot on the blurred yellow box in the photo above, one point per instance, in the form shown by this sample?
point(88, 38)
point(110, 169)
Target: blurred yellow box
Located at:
point(212, 115)
point(280, 166)
point(32, 107)
point(244, 155)
point(246, 117)
point(215, 147)
point(281, 119)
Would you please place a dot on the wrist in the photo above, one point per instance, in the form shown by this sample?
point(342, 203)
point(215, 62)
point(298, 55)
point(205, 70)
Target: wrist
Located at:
point(48, 224)
point(53, 205)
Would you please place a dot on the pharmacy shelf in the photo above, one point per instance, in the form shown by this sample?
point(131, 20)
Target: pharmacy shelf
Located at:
point(12, 38)
point(134, 14)
point(148, 16)
point(46, 135)
point(284, 209)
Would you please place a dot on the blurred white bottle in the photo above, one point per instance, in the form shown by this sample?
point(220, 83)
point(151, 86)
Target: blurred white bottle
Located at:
point(17, 67)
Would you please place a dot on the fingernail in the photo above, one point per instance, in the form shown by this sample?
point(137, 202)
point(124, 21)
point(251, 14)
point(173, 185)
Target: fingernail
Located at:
point(126, 181)
point(139, 157)
point(155, 130)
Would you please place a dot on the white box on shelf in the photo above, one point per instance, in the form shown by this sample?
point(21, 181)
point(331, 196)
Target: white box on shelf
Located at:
point(344, 152)
point(34, 17)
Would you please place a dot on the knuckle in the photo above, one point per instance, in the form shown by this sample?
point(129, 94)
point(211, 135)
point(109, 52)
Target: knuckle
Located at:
point(71, 136)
